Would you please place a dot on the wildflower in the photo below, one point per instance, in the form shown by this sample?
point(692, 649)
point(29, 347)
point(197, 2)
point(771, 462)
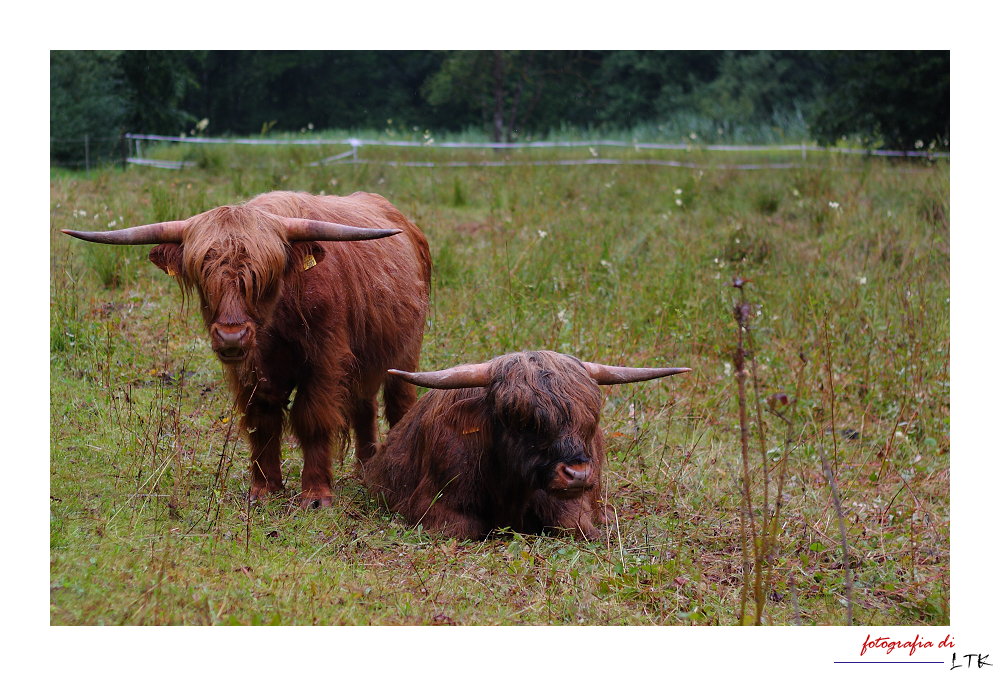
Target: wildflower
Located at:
point(677, 191)
point(862, 280)
point(679, 202)
point(834, 205)
point(542, 234)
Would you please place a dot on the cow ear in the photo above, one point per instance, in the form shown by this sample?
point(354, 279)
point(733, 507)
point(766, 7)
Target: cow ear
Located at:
point(167, 257)
point(308, 254)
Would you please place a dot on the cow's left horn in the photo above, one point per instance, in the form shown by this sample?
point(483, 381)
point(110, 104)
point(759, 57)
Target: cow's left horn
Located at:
point(154, 233)
point(466, 375)
point(617, 375)
point(304, 229)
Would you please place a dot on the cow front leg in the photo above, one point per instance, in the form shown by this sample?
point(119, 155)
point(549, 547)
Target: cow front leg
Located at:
point(365, 423)
point(452, 523)
point(317, 423)
point(316, 475)
point(399, 395)
point(558, 515)
point(262, 426)
point(576, 517)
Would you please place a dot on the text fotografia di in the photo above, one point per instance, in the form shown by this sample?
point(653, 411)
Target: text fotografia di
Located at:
point(911, 646)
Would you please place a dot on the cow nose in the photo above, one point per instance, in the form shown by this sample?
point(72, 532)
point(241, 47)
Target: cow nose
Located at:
point(229, 340)
point(576, 474)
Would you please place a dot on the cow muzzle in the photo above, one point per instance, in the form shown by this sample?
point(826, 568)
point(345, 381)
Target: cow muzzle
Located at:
point(232, 342)
point(570, 481)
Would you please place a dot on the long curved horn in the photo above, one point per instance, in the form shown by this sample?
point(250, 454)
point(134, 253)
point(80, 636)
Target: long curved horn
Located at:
point(154, 233)
point(466, 375)
point(617, 375)
point(304, 229)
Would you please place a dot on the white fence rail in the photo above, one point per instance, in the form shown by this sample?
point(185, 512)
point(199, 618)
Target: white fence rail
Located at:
point(351, 156)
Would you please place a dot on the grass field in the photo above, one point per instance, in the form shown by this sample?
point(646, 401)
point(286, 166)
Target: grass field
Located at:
point(844, 389)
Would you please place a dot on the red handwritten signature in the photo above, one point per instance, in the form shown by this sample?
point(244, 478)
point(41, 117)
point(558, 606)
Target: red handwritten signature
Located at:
point(888, 645)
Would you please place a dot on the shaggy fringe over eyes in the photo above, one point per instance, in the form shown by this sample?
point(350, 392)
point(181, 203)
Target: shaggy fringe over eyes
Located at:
point(234, 244)
point(545, 391)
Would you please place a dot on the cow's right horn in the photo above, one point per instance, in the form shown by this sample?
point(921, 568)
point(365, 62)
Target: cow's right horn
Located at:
point(154, 233)
point(618, 375)
point(456, 377)
point(305, 229)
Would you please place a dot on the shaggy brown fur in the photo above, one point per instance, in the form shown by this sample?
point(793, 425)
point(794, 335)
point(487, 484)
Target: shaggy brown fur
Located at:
point(328, 332)
point(466, 461)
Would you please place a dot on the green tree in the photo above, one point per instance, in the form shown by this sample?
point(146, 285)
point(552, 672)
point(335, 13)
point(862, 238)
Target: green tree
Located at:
point(87, 98)
point(243, 91)
point(511, 91)
point(898, 99)
point(734, 94)
point(157, 83)
point(757, 88)
point(635, 87)
point(886, 98)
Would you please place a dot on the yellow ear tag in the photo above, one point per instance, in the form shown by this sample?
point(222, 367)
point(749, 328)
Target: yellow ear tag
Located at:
point(308, 262)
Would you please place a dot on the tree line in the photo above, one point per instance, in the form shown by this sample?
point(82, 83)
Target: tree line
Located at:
point(897, 99)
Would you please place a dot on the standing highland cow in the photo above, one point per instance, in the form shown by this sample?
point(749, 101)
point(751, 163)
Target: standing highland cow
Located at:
point(304, 292)
point(512, 442)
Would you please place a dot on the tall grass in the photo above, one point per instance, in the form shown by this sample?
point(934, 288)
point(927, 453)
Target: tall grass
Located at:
point(844, 451)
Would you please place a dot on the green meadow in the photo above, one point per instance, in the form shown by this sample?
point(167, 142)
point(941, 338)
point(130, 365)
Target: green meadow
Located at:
point(798, 475)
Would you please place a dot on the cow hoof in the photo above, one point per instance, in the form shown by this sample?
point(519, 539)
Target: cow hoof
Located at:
point(259, 494)
point(587, 532)
point(315, 502)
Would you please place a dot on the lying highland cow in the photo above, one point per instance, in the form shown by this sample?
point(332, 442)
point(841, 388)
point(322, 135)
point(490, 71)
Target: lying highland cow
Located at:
point(302, 292)
point(512, 442)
